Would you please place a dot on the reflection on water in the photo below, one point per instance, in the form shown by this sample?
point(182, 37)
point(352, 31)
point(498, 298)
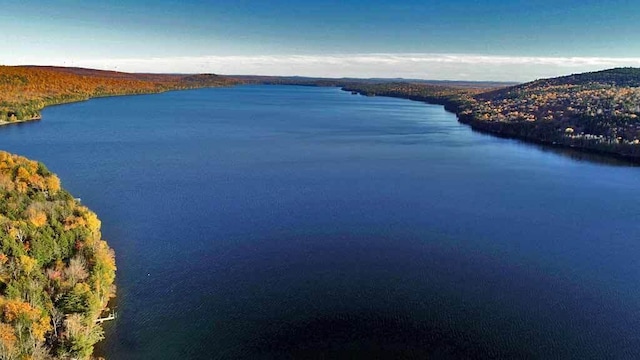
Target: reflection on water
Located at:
point(575, 154)
point(578, 155)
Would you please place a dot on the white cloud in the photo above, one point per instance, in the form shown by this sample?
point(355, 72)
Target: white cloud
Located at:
point(422, 66)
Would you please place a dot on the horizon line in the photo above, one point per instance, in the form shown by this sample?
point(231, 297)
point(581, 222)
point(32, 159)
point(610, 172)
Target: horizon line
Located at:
point(423, 66)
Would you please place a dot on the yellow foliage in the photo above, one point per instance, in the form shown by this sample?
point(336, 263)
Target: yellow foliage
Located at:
point(36, 181)
point(36, 217)
point(93, 223)
point(72, 222)
point(14, 232)
point(106, 258)
point(32, 166)
point(82, 288)
point(22, 174)
point(6, 161)
point(41, 327)
point(53, 183)
point(19, 174)
point(28, 263)
point(21, 187)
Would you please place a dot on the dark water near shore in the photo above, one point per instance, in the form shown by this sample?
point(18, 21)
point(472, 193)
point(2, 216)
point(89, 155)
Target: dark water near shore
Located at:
point(294, 222)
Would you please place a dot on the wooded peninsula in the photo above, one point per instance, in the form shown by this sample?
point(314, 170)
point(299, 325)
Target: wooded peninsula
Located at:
point(56, 273)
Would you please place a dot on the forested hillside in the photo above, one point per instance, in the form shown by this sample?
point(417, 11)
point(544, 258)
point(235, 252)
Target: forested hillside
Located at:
point(597, 111)
point(56, 273)
point(25, 90)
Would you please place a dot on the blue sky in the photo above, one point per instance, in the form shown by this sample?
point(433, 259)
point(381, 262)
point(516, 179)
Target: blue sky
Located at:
point(457, 39)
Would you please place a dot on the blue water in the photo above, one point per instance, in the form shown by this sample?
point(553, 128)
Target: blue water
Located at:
point(295, 222)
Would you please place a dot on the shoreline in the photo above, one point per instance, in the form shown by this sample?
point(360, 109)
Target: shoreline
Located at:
point(39, 116)
point(452, 107)
point(42, 87)
point(35, 118)
point(449, 105)
point(631, 160)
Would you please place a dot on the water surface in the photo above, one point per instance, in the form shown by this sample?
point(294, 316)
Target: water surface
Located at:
point(296, 222)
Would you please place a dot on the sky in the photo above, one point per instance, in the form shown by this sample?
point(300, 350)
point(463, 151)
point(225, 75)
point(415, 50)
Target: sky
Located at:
point(443, 40)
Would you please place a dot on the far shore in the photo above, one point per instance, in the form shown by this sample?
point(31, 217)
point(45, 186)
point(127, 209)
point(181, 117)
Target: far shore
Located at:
point(448, 105)
point(477, 126)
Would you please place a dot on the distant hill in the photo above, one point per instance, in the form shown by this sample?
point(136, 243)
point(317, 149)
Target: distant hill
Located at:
point(615, 77)
point(345, 81)
point(25, 90)
point(199, 79)
point(107, 74)
point(618, 77)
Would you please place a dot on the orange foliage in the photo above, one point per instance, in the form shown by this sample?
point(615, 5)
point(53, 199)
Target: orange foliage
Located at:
point(72, 222)
point(25, 90)
point(13, 309)
point(7, 336)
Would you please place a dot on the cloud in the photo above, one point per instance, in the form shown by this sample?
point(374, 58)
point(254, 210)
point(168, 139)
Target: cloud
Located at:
point(422, 66)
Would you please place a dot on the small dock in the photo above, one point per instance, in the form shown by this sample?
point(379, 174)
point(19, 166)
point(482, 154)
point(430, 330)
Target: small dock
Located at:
point(112, 316)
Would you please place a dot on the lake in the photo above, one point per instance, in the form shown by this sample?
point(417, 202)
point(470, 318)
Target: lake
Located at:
point(271, 222)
